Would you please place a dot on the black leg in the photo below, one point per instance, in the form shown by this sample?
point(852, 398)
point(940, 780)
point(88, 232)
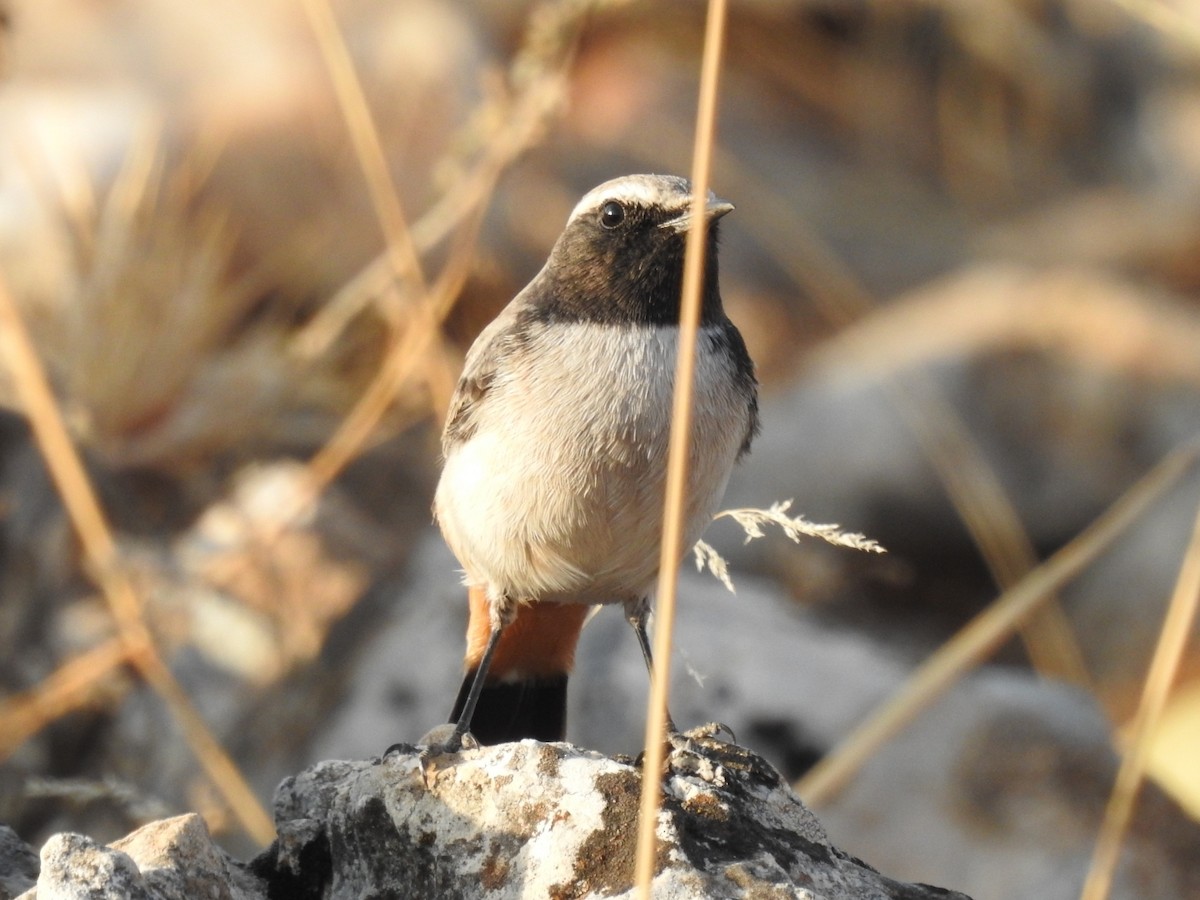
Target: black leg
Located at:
point(638, 614)
point(463, 725)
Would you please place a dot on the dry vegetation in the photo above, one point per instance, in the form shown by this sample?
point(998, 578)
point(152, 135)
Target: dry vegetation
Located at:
point(243, 246)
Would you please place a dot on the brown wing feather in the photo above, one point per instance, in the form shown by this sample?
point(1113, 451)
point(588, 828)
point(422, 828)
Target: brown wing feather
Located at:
point(460, 418)
point(488, 356)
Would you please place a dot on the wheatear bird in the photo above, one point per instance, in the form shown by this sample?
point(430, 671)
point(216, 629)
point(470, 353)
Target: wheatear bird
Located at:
point(556, 447)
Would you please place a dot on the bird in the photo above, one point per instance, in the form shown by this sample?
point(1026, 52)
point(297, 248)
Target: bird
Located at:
point(555, 448)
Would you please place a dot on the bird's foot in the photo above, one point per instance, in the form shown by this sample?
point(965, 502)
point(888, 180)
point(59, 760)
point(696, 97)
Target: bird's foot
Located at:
point(445, 739)
point(694, 740)
point(710, 731)
point(400, 748)
point(698, 752)
point(438, 742)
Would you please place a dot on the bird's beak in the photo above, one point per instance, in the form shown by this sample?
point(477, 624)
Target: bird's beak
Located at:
point(713, 210)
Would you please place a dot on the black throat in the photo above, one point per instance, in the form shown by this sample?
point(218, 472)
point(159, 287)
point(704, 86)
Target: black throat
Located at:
point(620, 282)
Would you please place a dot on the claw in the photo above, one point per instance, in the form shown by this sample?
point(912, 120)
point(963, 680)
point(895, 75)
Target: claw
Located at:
point(439, 742)
point(710, 731)
point(398, 749)
point(441, 738)
point(448, 738)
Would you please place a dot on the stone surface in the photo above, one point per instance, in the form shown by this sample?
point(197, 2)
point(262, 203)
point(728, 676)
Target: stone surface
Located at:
point(74, 867)
point(178, 858)
point(549, 820)
point(171, 859)
point(517, 820)
point(18, 864)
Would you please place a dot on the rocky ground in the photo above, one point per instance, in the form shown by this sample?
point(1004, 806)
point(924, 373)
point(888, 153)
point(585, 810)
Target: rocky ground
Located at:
point(519, 820)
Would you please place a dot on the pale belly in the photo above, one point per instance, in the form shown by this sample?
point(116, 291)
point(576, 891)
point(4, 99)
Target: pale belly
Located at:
point(561, 499)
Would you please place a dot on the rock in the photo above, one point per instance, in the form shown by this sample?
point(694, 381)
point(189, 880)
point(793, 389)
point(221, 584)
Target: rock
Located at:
point(178, 858)
point(172, 859)
point(516, 820)
point(551, 820)
point(75, 867)
point(18, 864)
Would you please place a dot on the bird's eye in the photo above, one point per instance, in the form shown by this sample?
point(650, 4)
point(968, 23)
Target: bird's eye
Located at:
point(612, 214)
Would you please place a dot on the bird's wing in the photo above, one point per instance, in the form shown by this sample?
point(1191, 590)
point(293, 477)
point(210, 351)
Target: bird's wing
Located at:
point(486, 359)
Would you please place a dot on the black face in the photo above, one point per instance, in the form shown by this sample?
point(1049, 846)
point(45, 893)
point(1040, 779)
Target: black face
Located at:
point(614, 265)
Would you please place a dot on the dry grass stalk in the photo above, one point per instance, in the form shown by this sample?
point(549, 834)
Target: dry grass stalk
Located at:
point(73, 685)
point(407, 274)
point(95, 535)
point(1175, 25)
point(141, 322)
point(992, 520)
point(368, 148)
point(794, 528)
point(988, 630)
point(1164, 666)
point(1073, 313)
point(681, 426)
point(503, 128)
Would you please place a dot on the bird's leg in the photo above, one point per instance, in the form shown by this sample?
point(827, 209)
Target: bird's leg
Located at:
point(463, 725)
point(637, 613)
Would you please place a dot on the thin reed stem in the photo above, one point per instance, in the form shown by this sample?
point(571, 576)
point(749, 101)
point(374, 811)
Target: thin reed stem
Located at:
point(677, 459)
point(1164, 666)
point(66, 689)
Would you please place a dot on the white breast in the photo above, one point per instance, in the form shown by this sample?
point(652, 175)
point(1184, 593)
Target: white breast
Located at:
point(558, 493)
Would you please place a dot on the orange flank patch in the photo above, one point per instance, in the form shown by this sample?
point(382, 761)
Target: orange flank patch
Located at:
point(540, 640)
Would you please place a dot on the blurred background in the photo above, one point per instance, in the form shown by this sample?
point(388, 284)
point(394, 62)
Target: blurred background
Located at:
point(253, 241)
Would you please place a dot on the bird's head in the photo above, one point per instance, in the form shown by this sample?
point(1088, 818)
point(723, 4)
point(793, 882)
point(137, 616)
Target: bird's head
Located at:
point(620, 257)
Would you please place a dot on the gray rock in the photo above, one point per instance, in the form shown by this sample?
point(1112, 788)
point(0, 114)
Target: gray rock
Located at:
point(517, 820)
point(172, 859)
point(74, 867)
point(178, 858)
point(550, 820)
point(18, 864)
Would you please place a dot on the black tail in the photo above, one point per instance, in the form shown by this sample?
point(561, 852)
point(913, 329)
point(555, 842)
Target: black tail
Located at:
point(512, 710)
